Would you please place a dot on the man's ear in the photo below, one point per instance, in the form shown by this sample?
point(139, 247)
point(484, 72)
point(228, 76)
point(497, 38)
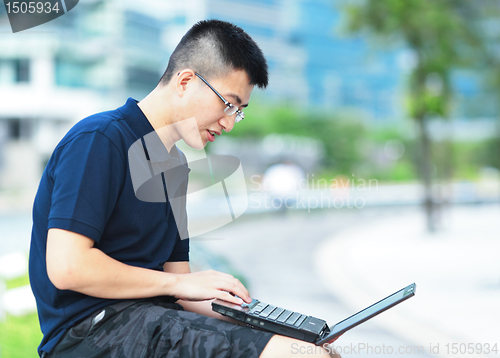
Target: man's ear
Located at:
point(184, 81)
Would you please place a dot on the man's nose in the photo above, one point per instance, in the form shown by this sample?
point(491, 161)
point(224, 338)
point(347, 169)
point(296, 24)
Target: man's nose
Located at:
point(227, 122)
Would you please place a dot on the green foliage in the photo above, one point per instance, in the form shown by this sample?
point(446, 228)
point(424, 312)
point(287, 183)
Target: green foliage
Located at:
point(472, 156)
point(440, 34)
point(400, 170)
point(341, 137)
point(440, 31)
point(20, 336)
point(18, 282)
point(350, 146)
point(491, 153)
point(403, 171)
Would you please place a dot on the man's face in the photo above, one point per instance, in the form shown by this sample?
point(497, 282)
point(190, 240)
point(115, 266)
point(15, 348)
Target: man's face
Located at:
point(208, 109)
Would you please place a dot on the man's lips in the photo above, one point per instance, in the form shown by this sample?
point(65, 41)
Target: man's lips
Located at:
point(211, 137)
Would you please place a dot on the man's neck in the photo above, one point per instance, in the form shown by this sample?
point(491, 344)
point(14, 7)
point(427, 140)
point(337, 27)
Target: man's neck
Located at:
point(160, 116)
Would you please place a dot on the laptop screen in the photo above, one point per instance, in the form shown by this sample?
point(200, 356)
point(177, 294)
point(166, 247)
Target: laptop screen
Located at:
point(375, 309)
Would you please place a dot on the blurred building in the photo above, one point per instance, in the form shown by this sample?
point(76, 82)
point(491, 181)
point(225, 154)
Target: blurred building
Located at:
point(103, 51)
point(310, 63)
point(89, 60)
point(95, 56)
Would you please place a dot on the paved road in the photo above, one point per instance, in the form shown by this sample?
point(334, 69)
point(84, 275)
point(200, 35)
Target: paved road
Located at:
point(276, 252)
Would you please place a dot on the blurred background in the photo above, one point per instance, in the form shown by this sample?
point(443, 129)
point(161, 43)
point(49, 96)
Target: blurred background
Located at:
point(372, 159)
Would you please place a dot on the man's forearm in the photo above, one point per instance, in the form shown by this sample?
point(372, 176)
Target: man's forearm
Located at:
point(82, 268)
point(106, 277)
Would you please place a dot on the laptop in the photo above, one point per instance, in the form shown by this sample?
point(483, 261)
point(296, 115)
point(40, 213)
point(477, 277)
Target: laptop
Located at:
point(261, 315)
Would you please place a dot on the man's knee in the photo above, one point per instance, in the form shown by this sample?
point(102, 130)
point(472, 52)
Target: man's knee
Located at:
point(280, 346)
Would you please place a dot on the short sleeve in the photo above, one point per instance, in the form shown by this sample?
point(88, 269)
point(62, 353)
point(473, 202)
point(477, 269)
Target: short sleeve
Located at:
point(88, 175)
point(180, 251)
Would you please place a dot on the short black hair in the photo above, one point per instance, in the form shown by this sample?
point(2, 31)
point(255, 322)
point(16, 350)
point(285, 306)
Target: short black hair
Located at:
point(213, 48)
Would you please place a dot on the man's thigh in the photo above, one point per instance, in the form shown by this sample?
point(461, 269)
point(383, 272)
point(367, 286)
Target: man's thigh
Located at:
point(150, 329)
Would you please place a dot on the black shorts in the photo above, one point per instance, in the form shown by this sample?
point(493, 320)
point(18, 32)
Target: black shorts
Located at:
point(154, 328)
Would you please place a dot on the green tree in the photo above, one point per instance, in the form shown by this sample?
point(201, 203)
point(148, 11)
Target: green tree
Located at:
point(440, 36)
point(341, 136)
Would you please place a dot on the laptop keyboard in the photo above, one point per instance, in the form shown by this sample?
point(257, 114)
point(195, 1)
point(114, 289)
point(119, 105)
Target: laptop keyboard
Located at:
point(257, 314)
point(276, 314)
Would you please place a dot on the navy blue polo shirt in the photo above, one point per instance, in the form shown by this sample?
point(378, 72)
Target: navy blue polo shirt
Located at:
point(87, 188)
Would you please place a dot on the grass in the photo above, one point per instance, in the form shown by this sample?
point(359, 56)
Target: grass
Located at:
point(17, 282)
point(19, 335)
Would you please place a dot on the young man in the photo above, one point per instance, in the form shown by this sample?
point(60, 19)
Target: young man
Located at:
point(109, 261)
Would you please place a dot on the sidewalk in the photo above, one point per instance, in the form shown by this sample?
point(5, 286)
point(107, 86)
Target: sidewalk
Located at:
point(457, 272)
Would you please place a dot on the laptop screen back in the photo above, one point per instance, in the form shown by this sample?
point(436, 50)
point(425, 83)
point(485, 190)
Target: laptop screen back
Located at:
point(374, 309)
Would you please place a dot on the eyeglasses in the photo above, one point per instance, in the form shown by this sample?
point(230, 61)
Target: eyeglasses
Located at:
point(230, 108)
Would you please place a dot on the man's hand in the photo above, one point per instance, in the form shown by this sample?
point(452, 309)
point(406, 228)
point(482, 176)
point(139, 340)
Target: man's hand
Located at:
point(206, 285)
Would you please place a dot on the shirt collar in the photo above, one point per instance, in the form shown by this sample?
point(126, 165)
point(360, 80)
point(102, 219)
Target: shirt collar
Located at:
point(135, 118)
point(140, 125)
point(160, 160)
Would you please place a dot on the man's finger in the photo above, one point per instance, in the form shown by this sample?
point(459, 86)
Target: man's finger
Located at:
point(226, 296)
point(240, 292)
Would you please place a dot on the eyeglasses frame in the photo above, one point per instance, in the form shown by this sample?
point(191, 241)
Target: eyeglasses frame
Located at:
point(240, 115)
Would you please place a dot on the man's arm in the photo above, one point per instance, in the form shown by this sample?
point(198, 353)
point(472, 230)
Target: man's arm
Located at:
point(73, 263)
point(177, 267)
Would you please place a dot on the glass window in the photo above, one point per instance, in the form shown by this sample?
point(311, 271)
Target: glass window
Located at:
point(140, 29)
point(142, 79)
point(14, 71)
point(18, 128)
point(22, 67)
point(70, 73)
point(7, 72)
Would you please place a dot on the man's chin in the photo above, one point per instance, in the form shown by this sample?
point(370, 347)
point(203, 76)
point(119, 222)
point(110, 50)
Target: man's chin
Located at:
point(197, 146)
point(196, 142)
